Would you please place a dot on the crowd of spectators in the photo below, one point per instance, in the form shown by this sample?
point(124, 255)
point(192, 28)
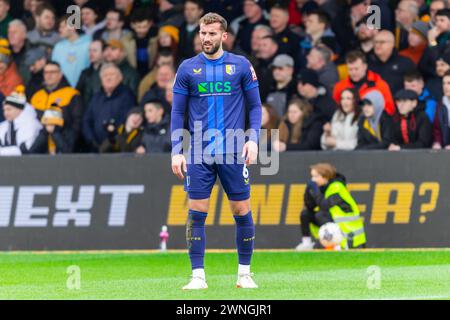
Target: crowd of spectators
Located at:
point(333, 75)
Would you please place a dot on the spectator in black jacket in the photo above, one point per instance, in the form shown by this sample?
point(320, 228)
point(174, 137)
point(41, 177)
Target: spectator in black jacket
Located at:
point(319, 60)
point(35, 60)
point(288, 41)
point(156, 137)
point(300, 129)
point(309, 88)
point(267, 51)
point(109, 105)
point(434, 84)
point(164, 76)
point(441, 126)
point(374, 126)
point(53, 138)
point(405, 14)
point(143, 45)
point(386, 61)
point(126, 137)
point(115, 52)
point(318, 31)
point(283, 85)
point(254, 15)
point(411, 128)
point(438, 40)
point(193, 11)
point(89, 82)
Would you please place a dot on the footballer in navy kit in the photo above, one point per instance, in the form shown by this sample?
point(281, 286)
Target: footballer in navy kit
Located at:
point(219, 94)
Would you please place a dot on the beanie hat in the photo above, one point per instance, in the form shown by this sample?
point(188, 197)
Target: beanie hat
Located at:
point(405, 94)
point(17, 98)
point(33, 55)
point(53, 116)
point(420, 28)
point(308, 76)
point(135, 110)
point(172, 31)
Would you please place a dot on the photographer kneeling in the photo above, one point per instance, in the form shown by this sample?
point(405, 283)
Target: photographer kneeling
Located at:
point(327, 199)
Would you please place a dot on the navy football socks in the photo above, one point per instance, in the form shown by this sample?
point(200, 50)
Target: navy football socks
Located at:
point(196, 238)
point(245, 237)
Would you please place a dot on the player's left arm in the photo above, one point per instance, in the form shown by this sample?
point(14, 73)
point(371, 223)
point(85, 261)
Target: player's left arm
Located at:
point(250, 87)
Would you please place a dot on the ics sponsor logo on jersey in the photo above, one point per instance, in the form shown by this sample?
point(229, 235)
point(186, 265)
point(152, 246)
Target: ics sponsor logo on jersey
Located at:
point(214, 87)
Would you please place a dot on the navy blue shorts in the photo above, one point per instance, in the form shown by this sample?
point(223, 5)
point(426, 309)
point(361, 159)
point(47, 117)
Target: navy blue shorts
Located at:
point(234, 177)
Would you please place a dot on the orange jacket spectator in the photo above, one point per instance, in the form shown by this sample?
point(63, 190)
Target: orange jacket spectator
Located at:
point(373, 82)
point(9, 80)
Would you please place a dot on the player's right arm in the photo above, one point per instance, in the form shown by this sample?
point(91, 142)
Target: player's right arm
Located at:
point(179, 104)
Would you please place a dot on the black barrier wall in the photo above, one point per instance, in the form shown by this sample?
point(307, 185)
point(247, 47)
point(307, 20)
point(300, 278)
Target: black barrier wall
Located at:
point(120, 202)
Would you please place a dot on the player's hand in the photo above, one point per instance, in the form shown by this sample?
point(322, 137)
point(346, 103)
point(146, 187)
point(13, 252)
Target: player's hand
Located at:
point(250, 152)
point(179, 165)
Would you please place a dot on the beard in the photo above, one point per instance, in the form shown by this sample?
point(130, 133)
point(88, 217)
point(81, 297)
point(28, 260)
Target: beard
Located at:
point(212, 50)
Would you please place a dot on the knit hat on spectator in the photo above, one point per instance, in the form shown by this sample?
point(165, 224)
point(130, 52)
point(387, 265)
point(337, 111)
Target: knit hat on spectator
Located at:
point(135, 110)
point(33, 55)
point(308, 76)
point(445, 57)
point(5, 51)
point(17, 98)
point(172, 31)
point(283, 60)
point(405, 94)
point(115, 44)
point(53, 116)
point(420, 28)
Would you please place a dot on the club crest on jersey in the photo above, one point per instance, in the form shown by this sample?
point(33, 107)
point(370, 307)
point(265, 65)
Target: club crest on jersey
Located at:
point(230, 69)
point(197, 71)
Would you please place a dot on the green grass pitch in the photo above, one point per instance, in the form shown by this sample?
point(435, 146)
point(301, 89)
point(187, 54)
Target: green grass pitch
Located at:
point(414, 274)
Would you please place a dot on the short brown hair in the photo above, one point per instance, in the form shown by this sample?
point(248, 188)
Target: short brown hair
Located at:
point(45, 6)
point(412, 75)
point(354, 55)
point(326, 170)
point(212, 17)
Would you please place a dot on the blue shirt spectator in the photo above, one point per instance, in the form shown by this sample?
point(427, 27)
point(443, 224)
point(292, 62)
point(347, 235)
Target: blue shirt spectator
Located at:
point(72, 53)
